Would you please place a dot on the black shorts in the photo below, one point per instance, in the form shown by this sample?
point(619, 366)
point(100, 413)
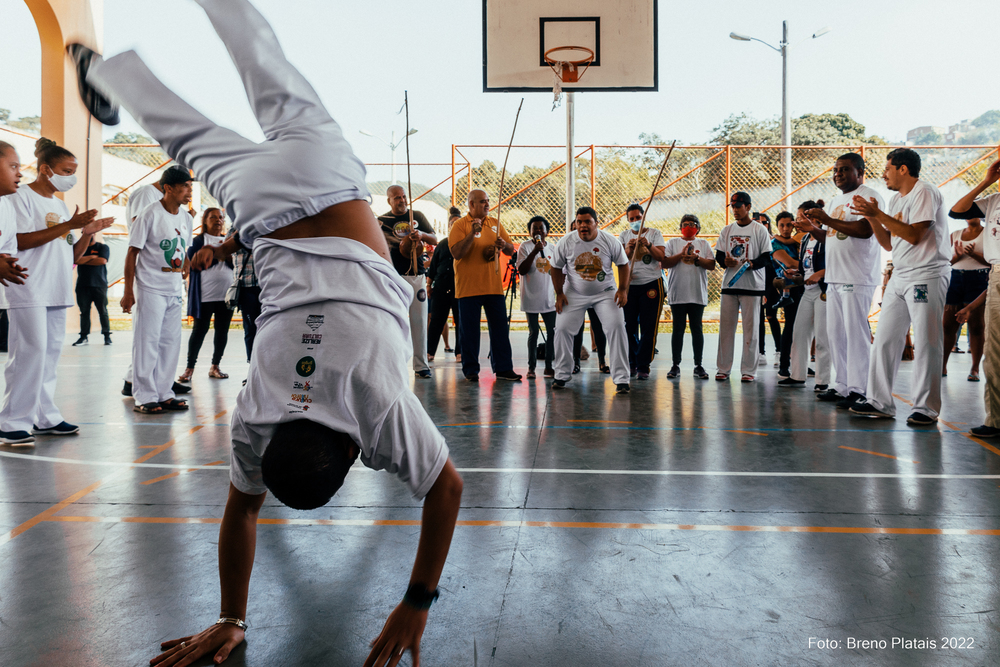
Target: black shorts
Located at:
point(966, 286)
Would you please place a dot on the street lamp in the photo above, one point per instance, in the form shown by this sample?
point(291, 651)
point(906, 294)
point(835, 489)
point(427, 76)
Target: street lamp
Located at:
point(393, 145)
point(786, 121)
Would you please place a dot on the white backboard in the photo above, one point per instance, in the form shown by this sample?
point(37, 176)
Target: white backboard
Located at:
point(622, 34)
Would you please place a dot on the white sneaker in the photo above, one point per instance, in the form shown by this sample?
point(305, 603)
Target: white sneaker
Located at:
point(762, 361)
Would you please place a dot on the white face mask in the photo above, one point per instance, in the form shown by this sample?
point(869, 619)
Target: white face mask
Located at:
point(635, 225)
point(62, 183)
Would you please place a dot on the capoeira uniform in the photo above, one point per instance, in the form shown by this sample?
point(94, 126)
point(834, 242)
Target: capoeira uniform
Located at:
point(811, 316)
point(645, 300)
point(853, 268)
point(352, 376)
point(988, 209)
point(37, 314)
point(915, 294)
point(749, 243)
point(139, 199)
point(590, 283)
point(162, 239)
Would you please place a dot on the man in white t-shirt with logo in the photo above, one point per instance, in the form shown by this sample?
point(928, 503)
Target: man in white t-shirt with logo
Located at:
point(645, 291)
point(853, 259)
point(157, 263)
point(988, 209)
point(914, 227)
point(588, 256)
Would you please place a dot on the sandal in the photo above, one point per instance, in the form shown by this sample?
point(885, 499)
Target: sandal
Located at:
point(215, 373)
point(173, 404)
point(448, 349)
point(186, 376)
point(530, 375)
point(149, 408)
point(747, 378)
point(606, 369)
point(973, 376)
point(719, 377)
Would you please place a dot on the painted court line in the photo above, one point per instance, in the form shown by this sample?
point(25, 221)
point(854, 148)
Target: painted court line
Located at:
point(888, 456)
point(180, 472)
point(839, 530)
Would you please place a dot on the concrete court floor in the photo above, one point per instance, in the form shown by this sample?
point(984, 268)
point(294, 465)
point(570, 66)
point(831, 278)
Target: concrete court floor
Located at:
point(757, 519)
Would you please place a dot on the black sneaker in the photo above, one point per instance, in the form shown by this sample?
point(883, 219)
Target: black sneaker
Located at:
point(811, 373)
point(791, 382)
point(16, 438)
point(866, 409)
point(985, 431)
point(62, 428)
point(473, 377)
point(82, 340)
point(674, 371)
point(920, 419)
point(107, 339)
point(852, 399)
point(829, 395)
point(127, 389)
point(179, 388)
point(510, 376)
point(97, 104)
point(821, 387)
point(423, 375)
point(785, 301)
point(623, 388)
point(559, 384)
point(576, 368)
point(700, 373)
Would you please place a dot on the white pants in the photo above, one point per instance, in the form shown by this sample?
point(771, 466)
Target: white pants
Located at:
point(849, 335)
point(991, 351)
point(34, 343)
point(304, 166)
point(156, 346)
point(810, 320)
point(418, 321)
point(612, 319)
point(922, 304)
point(730, 307)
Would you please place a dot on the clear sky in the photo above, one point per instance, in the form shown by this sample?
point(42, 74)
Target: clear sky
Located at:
point(891, 64)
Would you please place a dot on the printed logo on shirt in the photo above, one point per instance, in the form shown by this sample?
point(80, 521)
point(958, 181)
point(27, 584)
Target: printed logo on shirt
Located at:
point(839, 213)
point(300, 410)
point(312, 339)
point(647, 259)
point(174, 251)
point(314, 321)
point(601, 276)
point(920, 294)
point(52, 219)
point(739, 246)
point(848, 289)
point(542, 265)
point(304, 386)
point(302, 398)
point(841, 236)
point(588, 267)
point(306, 366)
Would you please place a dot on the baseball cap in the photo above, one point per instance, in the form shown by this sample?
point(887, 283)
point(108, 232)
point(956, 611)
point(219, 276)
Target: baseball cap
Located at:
point(175, 176)
point(740, 197)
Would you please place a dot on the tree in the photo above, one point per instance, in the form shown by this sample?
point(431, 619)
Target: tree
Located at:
point(151, 157)
point(827, 129)
point(4, 115)
point(29, 123)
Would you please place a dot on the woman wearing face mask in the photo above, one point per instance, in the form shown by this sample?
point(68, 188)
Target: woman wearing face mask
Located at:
point(688, 261)
point(645, 292)
point(49, 241)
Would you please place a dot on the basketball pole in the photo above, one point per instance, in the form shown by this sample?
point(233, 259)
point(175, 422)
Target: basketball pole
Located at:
point(570, 171)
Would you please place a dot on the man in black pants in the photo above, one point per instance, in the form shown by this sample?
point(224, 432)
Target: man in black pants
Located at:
point(441, 293)
point(92, 288)
point(645, 293)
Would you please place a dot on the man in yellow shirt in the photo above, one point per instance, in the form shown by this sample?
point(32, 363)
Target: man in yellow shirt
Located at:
point(476, 242)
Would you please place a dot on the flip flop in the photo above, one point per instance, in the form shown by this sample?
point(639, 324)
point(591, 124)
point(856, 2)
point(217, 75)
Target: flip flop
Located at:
point(174, 404)
point(149, 408)
point(973, 377)
point(217, 374)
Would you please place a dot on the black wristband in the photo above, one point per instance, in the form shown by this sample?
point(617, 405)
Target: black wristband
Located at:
point(418, 597)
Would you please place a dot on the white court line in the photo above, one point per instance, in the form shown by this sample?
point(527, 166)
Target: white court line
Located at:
point(548, 471)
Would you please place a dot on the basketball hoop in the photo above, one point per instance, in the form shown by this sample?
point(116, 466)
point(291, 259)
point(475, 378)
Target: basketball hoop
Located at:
point(567, 69)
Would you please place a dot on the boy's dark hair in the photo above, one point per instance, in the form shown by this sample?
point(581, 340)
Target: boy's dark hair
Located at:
point(856, 160)
point(784, 214)
point(691, 217)
point(586, 210)
point(540, 219)
point(306, 463)
point(905, 156)
point(631, 207)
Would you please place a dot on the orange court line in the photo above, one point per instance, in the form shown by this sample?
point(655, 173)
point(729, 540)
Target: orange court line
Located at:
point(865, 451)
point(175, 474)
point(472, 424)
point(840, 530)
point(58, 507)
point(908, 402)
point(733, 430)
point(595, 421)
point(973, 438)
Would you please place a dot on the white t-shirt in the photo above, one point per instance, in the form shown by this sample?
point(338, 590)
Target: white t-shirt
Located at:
point(931, 258)
point(850, 260)
point(334, 351)
point(50, 266)
point(744, 243)
point(966, 263)
point(139, 200)
point(537, 293)
point(8, 237)
point(217, 279)
point(990, 206)
point(162, 238)
point(808, 265)
point(589, 264)
point(687, 283)
point(645, 269)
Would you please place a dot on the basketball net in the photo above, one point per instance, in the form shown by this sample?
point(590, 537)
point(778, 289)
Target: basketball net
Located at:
point(557, 84)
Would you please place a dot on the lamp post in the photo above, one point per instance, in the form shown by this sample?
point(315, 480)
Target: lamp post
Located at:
point(393, 145)
point(786, 120)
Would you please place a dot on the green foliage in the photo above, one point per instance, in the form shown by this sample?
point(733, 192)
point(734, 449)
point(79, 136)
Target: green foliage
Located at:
point(378, 188)
point(130, 138)
point(929, 139)
point(27, 123)
point(150, 157)
point(4, 115)
point(827, 129)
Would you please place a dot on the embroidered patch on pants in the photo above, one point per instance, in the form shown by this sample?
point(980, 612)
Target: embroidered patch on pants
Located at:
point(920, 294)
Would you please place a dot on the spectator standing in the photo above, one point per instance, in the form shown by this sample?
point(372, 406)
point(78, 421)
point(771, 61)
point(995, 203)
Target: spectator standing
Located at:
point(768, 304)
point(784, 259)
point(970, 276)
point(248, 293)
point(538, 298)
point(207, 297)
point(476, 242)
point(92, 289)
point(645, 292)
point(405, 250)
point(688, 261)
point(441, 294)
